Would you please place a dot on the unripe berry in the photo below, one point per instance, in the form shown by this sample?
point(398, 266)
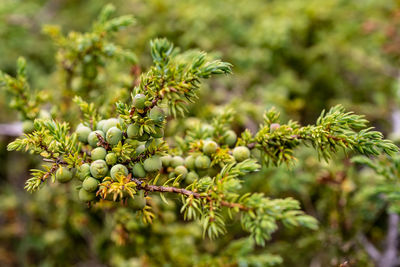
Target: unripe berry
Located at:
point(64, 174)
point(191, 177)
point(143, 137)
point(113, 136)
point(152, 164)
point(140, 149)
point(113, 122)
point(133, 131)
point(118, 169)
point(138, 170)
point(83, 171)
point(209, 147)
point(159, 132)
point(98, 153)
point(86, 196)
point(92, 138)
point(139, 101)
point(157, 114)
point(208, 129)
point(83, 133)
point(230, 138)
point(98, 168)
point(177, 161)
point(28, 126)
point(111, 158)
point(138, 202)
point(100, 125)
point(166, 160)
point(189, 162)
point(202, 162)
point(241, 153)
point(181, 170)
point(90, 184)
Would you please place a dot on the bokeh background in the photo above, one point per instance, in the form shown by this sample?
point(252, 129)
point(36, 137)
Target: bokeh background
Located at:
point(300, 56)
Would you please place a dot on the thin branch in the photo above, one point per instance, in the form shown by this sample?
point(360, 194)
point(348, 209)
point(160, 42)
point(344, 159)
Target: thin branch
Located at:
point(371, 250)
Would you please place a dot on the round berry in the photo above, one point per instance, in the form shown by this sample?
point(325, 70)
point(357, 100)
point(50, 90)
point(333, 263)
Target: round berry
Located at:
point(86, 196)
point(113, 122)
point(157, 115)
point(202, 162)
point(64, 174)
point(117, 170)
point(133, 131)
point(113, 136)
point(93, 139)
point(90, 184)
point(98, 168)
point(166, 160)
point(28, 126)
point(140, 149)
point(210, 147)
point(83, 171)
point(98, 153)
point(230, 138)
point(181, 170)
point(189, 162)
point(138, 202)
point(159, 132)
point(100, 125)
point(191, 177)
point(139, 101)
point(152, 164)
point(83, 133)
point(111, 158)
point(241, 153)
point(177, 161)
point(138, 170)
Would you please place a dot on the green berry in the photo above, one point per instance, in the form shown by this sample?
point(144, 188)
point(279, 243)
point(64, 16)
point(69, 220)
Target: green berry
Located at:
point(100, 125)
point(191, 177)
point(140, 149)
point(189, 162)
point(177, 161)
point(90, 184)
point(139, 101)
point(98, 168)
point(181, 170)
point(138, 170)
point(28, 126)
point(210, 147)
point(202, 162)
point(64, 174)
point(86, 196)
point(138, 202)
point(166, 160)
point(83, 171)
point(113, 136)
point(111, 158)
point(98, 153)
point(241, 153)
point(144, 137)
point(157, 115)
point(152, 164)
point(208, 129)
point(159, 132)
point(118, 169)
point(83, 133)
point(113, 122)
point(133, 131)
point(230, 138)
point(93, 139)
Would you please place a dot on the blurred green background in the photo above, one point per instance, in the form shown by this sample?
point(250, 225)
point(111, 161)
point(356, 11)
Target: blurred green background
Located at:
point(300, 56)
